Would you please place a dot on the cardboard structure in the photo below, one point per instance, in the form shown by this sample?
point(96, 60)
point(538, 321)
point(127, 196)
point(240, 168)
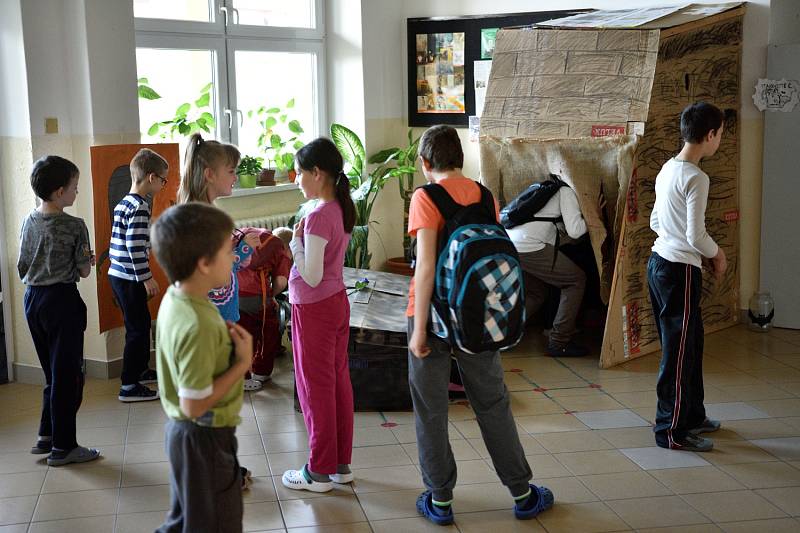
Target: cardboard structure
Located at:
point(111, 181)
point(625, 72)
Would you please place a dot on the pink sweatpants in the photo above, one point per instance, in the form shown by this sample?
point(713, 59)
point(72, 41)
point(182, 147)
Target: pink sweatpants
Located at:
point(320, 332)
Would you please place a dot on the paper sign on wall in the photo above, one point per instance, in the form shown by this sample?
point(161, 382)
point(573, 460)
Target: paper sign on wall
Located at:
point(776, 95)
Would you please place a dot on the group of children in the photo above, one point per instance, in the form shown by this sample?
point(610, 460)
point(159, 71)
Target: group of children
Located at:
point(205, 359)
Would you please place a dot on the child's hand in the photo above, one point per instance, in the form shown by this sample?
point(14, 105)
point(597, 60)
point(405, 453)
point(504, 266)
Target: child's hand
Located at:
point(151, 286)
point(419, 344)
point(242, 344)
point(92, 257)
point(299, 227)
point(253, 241)
point(720, 263)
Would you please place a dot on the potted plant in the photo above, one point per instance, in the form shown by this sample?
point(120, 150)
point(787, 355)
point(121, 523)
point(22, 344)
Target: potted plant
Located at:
point(364, 189)
point(249, 168)
point(188, 118)
point(404, 158)
point(279, 138)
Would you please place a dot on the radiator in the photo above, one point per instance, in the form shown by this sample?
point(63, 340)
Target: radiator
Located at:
point(268, 222)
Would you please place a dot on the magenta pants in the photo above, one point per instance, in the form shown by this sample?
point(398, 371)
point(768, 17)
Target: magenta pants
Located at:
point(320, 332)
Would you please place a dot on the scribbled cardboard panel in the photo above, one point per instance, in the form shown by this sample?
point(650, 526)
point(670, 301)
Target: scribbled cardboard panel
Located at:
point(111, 180)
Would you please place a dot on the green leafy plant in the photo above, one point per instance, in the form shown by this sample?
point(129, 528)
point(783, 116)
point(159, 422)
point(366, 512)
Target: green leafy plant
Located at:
point(250, 166)
point(189, 118)
point(364, 188)
point(279, 138)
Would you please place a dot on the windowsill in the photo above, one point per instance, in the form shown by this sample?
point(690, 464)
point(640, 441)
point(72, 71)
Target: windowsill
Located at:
point(265, 189)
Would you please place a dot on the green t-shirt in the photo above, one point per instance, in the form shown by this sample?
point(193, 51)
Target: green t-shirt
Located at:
point(193, 347)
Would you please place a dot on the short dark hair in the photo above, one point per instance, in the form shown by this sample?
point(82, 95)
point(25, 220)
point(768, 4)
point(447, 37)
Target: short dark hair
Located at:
point(146, 161)
point(186, 233)
point(441, 147)
point(698, 119)
point(50, 173)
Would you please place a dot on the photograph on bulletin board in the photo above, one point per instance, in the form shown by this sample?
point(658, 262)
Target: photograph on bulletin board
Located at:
point(449, 59)
point(440, 73)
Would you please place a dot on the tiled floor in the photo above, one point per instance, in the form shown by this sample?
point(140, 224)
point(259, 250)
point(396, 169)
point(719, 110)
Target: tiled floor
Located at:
point(585, 430)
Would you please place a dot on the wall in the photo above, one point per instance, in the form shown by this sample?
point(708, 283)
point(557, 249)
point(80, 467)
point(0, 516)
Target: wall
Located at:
point(385, 100)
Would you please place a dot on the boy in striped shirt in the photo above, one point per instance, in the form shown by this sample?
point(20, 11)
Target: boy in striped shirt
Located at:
point(129, 273)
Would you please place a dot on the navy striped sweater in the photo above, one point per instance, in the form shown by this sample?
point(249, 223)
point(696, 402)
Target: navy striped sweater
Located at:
point(130, 239)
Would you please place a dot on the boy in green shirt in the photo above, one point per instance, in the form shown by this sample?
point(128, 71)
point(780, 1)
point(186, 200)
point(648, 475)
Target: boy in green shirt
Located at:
point(201, 362)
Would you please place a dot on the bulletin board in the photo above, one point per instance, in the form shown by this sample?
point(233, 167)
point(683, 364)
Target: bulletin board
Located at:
point(111, 181)
point(442, 56)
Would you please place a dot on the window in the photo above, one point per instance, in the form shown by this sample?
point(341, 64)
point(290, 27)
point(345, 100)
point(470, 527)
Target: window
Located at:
point(210, 65)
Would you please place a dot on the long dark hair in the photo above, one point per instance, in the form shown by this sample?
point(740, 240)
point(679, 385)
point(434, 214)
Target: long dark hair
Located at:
point(322, 154)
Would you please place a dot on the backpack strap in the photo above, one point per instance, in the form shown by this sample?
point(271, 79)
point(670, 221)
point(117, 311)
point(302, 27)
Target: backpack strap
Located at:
point(442, 200)
point(488, 201)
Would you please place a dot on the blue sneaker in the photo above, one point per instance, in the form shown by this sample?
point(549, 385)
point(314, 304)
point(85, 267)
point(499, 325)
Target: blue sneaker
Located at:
point(426, 508)
point(526, 509)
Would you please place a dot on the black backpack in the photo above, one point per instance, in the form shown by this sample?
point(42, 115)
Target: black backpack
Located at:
point(524, 207)
point(478, 302)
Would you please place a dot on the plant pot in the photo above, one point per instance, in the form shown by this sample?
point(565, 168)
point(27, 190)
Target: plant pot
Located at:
point(267, 177)
point(399, 265)
point(292, 175)
point(247, 181)
point(281, 176)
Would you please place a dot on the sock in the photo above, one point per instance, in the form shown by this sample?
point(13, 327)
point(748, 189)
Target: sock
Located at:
point(442, 508)
point(128, 387)
point(343, 469)
point(45, 438)
point(527, 500)
point(311, 476)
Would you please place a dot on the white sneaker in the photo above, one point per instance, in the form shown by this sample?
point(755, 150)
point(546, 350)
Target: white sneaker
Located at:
point(260, 377)
point(251, 385)
point(296, 480)
point(342, 478)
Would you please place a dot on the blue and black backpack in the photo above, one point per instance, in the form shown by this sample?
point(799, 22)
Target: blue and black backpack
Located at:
point(478, 302)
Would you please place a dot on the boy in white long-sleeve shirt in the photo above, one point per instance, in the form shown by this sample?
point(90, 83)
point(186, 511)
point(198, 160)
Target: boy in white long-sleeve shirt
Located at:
point(675, 282)
point(544, 264)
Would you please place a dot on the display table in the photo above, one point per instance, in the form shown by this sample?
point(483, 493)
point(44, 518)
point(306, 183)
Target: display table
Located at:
point(378, 347)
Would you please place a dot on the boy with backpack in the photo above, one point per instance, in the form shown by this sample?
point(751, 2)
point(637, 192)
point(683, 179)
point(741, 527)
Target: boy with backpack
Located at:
point(533, 221)
point(675, 281)
point(487, 316)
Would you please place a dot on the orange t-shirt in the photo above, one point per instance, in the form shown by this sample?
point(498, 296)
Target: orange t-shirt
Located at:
point(423, 213)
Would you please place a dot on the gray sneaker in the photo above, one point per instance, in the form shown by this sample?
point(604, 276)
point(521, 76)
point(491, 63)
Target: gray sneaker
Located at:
point(693, 443)
point(708, 426)
point(75, 455)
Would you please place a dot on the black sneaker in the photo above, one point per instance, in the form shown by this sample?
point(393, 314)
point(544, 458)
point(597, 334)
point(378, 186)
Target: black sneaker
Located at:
point(567, 350)
point(708, 426)
point(691, 443)
point(139, 393)
point(149, 376)
point(42, 447)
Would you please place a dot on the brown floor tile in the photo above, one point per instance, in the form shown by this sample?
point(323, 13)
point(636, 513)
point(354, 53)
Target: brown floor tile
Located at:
point(625, 485)
point(764, 475)
point(322, 511)
point(656, 512)
point(596, 462)
point(777, 525)
point(592, 517)
point(573, 441)
point(696, 479)
point(734, 506)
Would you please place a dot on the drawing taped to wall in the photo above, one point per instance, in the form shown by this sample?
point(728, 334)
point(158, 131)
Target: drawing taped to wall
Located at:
point(440, 73)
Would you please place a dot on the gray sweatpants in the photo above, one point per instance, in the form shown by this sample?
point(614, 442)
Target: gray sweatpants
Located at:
point(205, 481)
point(482, 376)
point(565, 275)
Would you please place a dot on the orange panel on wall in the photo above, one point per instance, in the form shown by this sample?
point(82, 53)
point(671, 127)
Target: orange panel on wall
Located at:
point(111, 181)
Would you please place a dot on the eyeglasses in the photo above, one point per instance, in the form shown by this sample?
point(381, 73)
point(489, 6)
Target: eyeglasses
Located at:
point(162, 178)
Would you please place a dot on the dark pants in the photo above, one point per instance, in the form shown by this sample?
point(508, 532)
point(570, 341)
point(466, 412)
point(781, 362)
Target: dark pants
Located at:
point(132, 299)
point(540, 269)
point(205, 481)
point(482, 375)
point(675, 290)
point(56, 316)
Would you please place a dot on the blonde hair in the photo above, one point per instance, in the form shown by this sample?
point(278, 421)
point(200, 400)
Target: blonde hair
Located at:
point(284, 234)
point(201, 155)
point(147, 161)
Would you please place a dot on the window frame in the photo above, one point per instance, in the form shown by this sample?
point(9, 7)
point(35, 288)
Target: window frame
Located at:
point(225, 37)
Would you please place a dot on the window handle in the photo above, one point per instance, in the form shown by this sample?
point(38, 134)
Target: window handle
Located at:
point(224, 11)
point(235, 15)
point(241, 117)
point(229, 113)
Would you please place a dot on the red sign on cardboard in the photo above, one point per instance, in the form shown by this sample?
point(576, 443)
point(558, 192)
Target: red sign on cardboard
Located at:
point(730, 216)
point(603, 131)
